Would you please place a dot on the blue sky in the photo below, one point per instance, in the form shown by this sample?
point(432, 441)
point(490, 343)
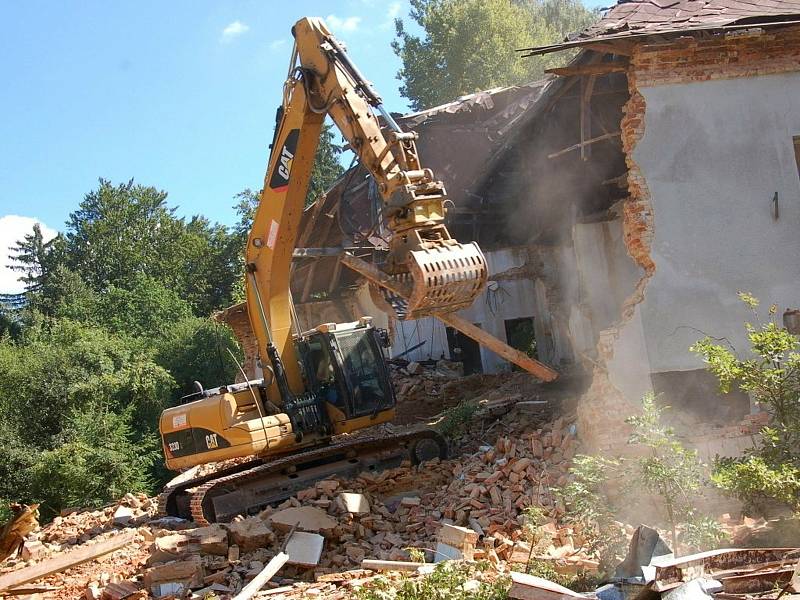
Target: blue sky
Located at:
point(180, 95)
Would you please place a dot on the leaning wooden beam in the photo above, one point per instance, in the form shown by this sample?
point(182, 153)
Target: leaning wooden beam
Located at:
point(337, 271)
point(390, 565)
point(594, 69)
point(484, 338)
point(375, 275)
point(267, 573)
point(587, 88)
point(593, 140)
point(64, 561)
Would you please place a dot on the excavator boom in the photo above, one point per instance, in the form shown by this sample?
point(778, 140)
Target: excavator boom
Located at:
point(443, 275)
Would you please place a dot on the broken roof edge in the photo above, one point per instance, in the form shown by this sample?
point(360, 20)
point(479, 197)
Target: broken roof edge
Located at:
point(639, 35)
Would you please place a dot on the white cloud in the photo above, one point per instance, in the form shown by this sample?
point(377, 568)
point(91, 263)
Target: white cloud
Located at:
point(234, 30)
point(343, 25)
point(278, 44)
point(394, 10)
point(12, 229)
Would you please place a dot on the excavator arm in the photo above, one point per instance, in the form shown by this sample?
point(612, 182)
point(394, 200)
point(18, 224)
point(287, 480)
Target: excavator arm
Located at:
point(440, 274)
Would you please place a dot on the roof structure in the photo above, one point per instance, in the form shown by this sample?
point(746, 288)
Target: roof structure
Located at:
point(640, 18)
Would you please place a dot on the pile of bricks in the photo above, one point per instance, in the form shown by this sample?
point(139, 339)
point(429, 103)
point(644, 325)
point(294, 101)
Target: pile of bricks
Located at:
point(422, 389)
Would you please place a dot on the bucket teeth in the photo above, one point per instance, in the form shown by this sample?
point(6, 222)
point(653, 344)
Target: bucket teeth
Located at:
point(445, 278)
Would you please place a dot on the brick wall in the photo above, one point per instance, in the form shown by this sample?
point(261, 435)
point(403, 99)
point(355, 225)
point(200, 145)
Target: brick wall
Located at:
point(745, 53)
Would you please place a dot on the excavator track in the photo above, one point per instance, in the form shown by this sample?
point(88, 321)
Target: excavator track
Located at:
point(252, 486)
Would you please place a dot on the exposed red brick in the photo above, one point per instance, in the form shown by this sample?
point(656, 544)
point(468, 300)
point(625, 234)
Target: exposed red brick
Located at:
point(724, 56)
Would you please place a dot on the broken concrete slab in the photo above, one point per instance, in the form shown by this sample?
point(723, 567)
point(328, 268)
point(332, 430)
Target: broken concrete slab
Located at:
point(304, 518)
point(356, 504)
point(646, 546)
point(305, 549)
point(455, 543)
point(251, 533)
point(212, 540)
point(187, 573)
point(123, 515)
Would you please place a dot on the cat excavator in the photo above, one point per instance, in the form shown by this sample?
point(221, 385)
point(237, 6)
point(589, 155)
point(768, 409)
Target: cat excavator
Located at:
point(286, 429)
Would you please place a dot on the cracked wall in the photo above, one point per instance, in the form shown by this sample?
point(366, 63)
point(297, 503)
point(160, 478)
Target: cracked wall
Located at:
point(707, 135)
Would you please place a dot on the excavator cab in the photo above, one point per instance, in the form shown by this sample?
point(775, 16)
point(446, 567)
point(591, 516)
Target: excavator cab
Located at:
point(349, 373)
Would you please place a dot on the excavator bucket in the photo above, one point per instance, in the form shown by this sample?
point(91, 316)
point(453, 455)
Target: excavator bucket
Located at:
point(444, 278)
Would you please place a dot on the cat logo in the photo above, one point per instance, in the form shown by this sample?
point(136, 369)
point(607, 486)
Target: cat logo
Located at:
point(279, 181)
point(211, 441)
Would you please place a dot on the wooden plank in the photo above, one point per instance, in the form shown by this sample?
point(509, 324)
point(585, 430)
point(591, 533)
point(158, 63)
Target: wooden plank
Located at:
point(593, 140)
point(337, 271)
point(269, 571)
point(533, 366)
point(390, 565)
point(64, 561)
point(603, 68)
point(587, 87)
point(375, 275)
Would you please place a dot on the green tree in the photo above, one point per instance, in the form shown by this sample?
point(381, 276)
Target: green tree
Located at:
point(327, 168)
point(196, 349)
point(34, 258)
point(120, 233)
point(144, 309)
point(469, 45)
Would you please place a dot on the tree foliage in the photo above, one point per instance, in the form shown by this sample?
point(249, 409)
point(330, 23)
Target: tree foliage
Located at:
point(327, 168)
point(469, 45)
point(114, 327)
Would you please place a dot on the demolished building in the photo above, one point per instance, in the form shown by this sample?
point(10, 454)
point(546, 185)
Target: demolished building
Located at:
point(622, 202)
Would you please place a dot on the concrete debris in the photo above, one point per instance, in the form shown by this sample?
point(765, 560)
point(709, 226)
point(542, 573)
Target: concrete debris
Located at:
point(528, 587)
point(123, 515)
point(356, 504)
point(645, 547)
point(305, 549)
point(305, 518)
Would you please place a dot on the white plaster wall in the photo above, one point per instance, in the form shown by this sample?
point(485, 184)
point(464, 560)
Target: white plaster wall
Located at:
point(510, 299)
point(713, 154)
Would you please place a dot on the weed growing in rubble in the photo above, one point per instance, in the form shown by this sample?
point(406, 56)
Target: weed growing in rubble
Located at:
point(590, 510)
point(449, 580)
point(673, 472)
point(668, 470)
point(771, 375)
point(455, 420)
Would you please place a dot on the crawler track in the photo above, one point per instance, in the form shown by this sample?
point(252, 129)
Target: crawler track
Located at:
point(250, 487)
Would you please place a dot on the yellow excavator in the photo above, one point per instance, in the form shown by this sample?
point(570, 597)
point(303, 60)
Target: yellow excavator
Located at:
point(333, 379)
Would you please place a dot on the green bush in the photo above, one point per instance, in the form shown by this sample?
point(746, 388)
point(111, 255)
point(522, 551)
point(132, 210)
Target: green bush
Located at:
point(449, 581)
point(672, 473)
point(771, 375)
point(95, 460)
point(456, 419)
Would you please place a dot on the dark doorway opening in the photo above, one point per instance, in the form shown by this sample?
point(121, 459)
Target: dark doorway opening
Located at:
point(466, 350)
point(520, 335)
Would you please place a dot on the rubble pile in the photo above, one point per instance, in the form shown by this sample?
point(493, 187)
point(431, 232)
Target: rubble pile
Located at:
point(422, 388)
point(341, 534)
